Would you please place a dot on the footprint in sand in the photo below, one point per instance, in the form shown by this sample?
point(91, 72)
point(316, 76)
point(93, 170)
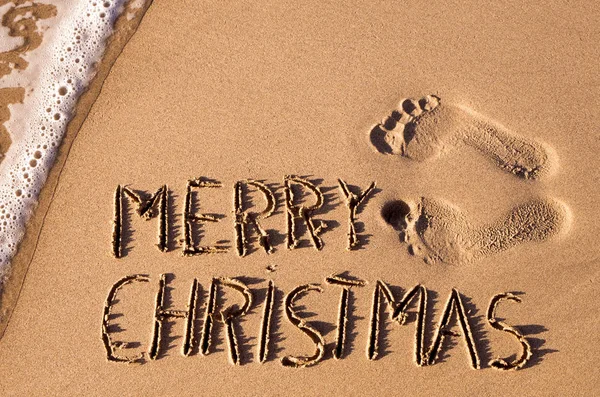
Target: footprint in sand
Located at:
point(424, 129)
point(437, 231)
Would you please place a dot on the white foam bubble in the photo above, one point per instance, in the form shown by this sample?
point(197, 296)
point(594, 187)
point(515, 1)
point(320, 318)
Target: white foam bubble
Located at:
point(8, 42)
point(58, 72)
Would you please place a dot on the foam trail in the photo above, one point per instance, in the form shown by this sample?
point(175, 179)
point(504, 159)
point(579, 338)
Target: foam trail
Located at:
point(57, 74)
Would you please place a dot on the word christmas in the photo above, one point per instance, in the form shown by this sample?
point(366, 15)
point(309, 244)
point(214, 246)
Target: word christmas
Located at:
point(230, 316)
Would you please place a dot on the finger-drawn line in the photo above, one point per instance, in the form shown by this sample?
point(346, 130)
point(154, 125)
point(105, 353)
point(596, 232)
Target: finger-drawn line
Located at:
point(346, 283)
point(294, 211)
point(233, 312)
point(454, 304)
point(353, 201)
point(109, 345)
point(147, 209)
point(205, 341)
point(400, 315)
point(526, 353)
point(189, 218)
point(315, 336)
point(265, 327)
point(243, 218)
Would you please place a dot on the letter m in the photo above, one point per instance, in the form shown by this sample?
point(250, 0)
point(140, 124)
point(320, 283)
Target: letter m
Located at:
point(148, 207)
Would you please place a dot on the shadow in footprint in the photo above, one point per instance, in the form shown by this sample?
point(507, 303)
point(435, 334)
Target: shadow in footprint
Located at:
point(437, 231)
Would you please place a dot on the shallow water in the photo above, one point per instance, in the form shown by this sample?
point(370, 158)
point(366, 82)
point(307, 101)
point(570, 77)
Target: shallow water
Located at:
point(51, 52)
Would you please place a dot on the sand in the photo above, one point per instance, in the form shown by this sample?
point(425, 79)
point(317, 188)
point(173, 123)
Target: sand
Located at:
point(495, 192)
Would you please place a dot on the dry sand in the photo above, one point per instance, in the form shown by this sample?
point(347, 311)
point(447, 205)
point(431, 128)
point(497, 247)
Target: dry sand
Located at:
point(233, 91)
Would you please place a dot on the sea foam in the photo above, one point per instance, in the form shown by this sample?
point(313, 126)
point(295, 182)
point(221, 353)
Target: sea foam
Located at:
point(59, 70)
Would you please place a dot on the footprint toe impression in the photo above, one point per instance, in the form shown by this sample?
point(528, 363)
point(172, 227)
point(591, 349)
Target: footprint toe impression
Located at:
point(424, 129)
point(434, 229)
point(415, 130)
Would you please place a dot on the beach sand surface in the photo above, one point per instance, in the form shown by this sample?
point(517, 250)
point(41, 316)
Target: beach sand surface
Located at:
point(260, 90)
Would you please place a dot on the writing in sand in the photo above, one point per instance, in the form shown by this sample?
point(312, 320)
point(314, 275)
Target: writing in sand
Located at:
point(398, 214)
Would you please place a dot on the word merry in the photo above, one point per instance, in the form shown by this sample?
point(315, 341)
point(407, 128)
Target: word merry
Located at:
point(245, 221)
point(229, 316)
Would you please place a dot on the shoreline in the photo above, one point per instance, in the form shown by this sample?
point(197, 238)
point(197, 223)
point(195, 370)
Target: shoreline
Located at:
point(10, 288)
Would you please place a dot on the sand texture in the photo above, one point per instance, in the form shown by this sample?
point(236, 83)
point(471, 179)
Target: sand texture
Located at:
point(320, 198)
